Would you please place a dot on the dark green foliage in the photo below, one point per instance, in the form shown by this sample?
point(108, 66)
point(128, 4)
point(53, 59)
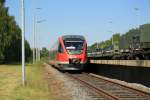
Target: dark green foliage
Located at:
point(10, 38)
point(44, 53)
point(2, 1)
point(28, 52)
point(104, 44)
point(116, 38)
point(131, 34)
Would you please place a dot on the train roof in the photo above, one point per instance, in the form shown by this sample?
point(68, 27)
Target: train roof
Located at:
point(66, 37)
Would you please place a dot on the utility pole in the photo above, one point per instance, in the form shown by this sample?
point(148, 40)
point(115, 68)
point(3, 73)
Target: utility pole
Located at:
point(39, 51)
point(110, 22)
point(113, 39)
point(33, 39)
point(36, 52)
point(137, 10)
point(23, 37)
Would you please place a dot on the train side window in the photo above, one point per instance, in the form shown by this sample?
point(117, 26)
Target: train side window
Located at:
point(60, 49)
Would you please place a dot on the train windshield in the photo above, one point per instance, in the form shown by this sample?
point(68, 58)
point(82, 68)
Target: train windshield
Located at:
point(74, 47)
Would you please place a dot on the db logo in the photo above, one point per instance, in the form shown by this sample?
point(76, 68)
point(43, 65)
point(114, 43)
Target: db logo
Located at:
point(73, 57)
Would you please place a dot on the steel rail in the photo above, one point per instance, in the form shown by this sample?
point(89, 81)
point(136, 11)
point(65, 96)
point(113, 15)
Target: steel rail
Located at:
point(97, 90)
point(139, 92)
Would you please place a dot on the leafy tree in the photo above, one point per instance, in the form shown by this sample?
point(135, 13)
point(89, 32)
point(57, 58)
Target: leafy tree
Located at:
point(2, 1)
point(116, 37)
point(44, 53)
point(132, 33)
point(10, 38)
point(3, 30)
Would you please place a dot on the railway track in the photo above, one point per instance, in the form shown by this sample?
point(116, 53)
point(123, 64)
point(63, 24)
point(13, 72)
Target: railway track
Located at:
point(106, 89)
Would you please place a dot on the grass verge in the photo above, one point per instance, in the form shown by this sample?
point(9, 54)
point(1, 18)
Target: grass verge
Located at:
point(11, 88)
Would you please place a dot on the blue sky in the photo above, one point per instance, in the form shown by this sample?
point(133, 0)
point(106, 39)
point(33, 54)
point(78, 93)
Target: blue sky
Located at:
point(97, 20)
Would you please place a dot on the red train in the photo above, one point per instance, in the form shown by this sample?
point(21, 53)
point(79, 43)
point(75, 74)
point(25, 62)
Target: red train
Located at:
point(69, 52)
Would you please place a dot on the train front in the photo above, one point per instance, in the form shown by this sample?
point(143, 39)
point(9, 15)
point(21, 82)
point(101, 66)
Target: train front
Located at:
point(76, 52)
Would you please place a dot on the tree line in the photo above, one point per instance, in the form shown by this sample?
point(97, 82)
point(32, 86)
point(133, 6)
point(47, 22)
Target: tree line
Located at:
point(10, 38)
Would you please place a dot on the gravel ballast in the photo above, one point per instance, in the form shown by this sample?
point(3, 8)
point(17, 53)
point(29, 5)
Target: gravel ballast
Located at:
point(63, 87)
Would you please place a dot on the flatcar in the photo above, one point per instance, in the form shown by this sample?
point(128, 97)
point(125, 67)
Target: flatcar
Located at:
point(69, 53)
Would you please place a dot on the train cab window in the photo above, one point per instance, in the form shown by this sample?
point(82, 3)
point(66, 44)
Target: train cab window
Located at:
point(60, 49)
point(74, 45)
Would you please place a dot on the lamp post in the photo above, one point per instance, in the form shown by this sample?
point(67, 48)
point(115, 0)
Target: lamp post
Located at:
point(112, 40)
point(136, 38)
point(35, 46)
point(110, 22)
point(38, 51)
point(23, 37)
point(34, 40)
point(137, 14)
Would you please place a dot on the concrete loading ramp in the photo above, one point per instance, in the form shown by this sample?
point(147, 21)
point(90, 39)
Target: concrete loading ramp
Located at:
point(139, 63)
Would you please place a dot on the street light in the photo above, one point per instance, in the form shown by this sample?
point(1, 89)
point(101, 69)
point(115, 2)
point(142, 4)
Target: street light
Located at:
point(38, 51)
point(23, 37)
point(112, 37)
point(110, 22)
point(35, 51)
point(137, 10)
point(40, 21)
point(34, 40)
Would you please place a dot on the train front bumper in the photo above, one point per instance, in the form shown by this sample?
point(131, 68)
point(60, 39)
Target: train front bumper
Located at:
point(72, 67)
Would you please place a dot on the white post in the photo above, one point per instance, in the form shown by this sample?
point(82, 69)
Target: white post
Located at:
point(39, 54)
point(23, 37)
point(36, 46)
point(113, 39)
point(34, 39)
